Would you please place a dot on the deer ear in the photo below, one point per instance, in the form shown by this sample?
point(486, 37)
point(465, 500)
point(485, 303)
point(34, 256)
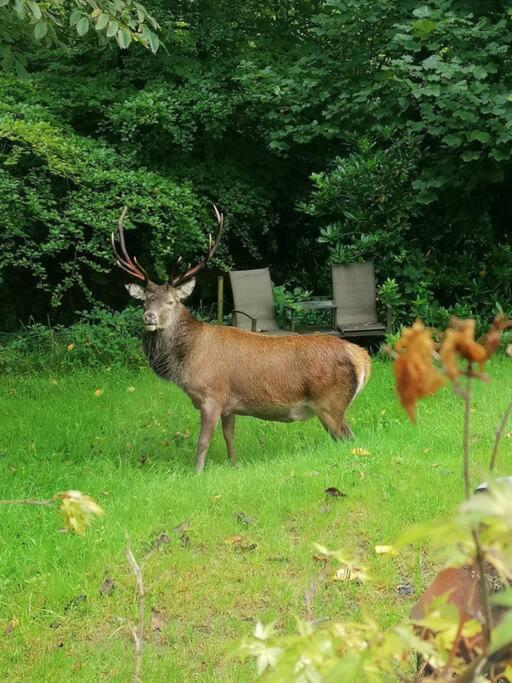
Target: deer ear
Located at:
point(136, 291)
point(186, 289)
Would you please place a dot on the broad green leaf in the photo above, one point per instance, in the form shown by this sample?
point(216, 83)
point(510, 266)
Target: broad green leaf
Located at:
point(421, 12)
point(123, 38)
point(423, 28)
point(480, 135)
point(112, 29)
point(452, 140)
point(102, 22)
point(74, 17)
point(470, 155)
point(40, 30)
point(83, 26)
point(19, 9)
point(154, 42)
point(504, 598)
point(35, 9)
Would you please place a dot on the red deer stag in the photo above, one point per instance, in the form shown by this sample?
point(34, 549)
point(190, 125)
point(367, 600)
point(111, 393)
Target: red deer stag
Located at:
point(226, 371)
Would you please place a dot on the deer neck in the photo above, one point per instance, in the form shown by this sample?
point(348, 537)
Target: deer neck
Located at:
point(168, 350)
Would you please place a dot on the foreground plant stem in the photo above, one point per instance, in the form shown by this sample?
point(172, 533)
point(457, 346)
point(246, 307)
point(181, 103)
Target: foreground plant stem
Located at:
point(137, 631)
point(27, 501)
point(467, 396)
point(499, 435)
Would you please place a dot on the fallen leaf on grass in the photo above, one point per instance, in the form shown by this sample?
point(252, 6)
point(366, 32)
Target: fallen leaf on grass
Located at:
point(232, 540)
point(11, 626)
point(406, 588)
point(107, 586)
point(325, 509)
point(70, 347)
point(509, 435)
point(180, 528)
point(77, 600)
point(181, 436)
point(313, 473)
point(385, 550)
point(350, 574)
point(320, 558)
point(246, 548)
point(244, 519)
point(98, 392)
point(360, 451)
point(161, 540)
point(130, 390)
point(157, 623)
point(334, 492)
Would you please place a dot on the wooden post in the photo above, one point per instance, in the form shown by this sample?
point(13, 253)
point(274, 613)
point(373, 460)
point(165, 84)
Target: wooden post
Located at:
point(220, 299)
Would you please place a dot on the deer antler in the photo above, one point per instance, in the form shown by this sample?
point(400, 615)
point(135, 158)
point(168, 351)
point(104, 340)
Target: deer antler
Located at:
point(212, 246)
point(125, 262)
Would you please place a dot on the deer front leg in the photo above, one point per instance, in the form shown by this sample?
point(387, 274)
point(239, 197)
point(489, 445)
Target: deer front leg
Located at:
point(228, 429)
point(209, 418)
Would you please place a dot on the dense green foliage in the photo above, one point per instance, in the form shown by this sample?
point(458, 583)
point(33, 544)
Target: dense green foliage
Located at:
point(326, 131)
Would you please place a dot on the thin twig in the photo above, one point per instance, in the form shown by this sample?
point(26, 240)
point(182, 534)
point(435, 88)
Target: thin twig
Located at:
point(312, 590)
point(27, 501)
point(137, 631)
point(467, 397)
point(480, 560)
point(499, 435)
point(483, 664)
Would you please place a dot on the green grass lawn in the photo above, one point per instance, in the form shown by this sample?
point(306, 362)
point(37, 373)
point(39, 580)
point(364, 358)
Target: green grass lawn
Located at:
point(130, 451)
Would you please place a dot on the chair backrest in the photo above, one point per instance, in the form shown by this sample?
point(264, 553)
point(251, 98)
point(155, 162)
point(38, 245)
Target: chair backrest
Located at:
point(252, 294)
point(354, 293)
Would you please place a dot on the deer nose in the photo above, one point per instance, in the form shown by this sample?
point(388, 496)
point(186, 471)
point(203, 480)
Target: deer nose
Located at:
point(150, 318)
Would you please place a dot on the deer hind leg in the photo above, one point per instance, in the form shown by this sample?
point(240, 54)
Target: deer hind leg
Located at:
point(209, 419)
point(228, 429)
point(333, 419)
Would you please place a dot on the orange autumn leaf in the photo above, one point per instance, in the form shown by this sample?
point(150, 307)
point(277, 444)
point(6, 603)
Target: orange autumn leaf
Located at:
point(416, 377)
point(459, 342)
point(493, 337)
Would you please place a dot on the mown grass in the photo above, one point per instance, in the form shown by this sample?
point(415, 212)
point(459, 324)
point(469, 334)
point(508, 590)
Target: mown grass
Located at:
point(125, 449)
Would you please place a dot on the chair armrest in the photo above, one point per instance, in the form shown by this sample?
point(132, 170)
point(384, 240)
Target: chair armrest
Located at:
point(253, 320)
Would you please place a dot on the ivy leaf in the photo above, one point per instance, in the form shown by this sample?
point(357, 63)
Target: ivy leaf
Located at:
point(83, 26)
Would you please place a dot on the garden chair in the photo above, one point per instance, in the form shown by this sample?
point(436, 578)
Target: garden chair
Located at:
point(254, 302)
point(355, 299)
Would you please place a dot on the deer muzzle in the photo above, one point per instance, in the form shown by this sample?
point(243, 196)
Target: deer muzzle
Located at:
point(150, 321)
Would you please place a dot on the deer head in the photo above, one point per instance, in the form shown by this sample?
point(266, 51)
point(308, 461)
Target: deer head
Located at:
point(162, 302)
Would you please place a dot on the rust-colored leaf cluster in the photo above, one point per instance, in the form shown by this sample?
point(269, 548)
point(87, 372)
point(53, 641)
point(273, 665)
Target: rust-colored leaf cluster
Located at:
point(416, 374)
